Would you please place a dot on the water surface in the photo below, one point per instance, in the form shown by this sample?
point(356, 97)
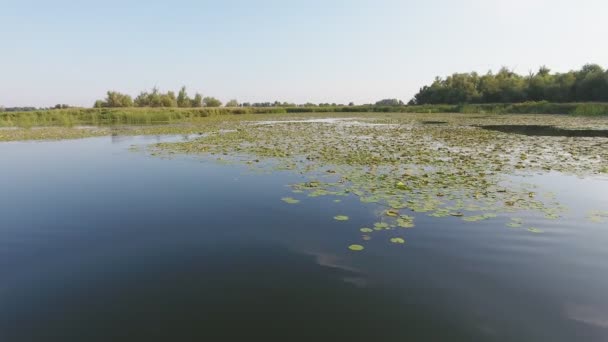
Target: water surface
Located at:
point(102, 243)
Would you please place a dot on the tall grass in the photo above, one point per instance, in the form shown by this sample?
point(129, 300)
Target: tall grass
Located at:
point(148, 116)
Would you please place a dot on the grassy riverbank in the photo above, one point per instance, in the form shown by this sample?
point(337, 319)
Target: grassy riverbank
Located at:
point(139, 116)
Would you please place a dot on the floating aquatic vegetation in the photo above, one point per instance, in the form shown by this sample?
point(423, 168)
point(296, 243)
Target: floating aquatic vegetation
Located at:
point(598, 216)
point(392, 212)
point(341, 218)
point(476, 218)
point(535, 230)
point(366, 230)
point(455, 169)
point(356, 248)
point(398, 240)
point(405, 221)
point(516, 222)
point(290, 200)
point(381, 225)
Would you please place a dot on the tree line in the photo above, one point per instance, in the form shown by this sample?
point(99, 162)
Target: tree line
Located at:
point(589, 84)
point(155, 98)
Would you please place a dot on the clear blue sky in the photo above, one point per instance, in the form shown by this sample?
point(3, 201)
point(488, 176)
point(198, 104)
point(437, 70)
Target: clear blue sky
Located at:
point(298, 51)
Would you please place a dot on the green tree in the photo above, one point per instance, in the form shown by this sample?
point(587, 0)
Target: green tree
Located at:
point(143, 99)
point(154, 99)
point(389, 102)
point(588, 84)
point(115, 99)
point(182, 98)
point(168, 99)
point(197, 101)
point(232, 103)
point(212, 102)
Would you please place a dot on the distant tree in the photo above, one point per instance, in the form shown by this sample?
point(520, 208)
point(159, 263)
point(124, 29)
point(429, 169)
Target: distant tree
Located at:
point(232, 103)
point(154, 99)
point(389, 102)
point(592, 84)
point(61, 106)
point(212, 102)
point(350, 104)
point(20, 109)
point(142, 100)
point(588, 84)
point(197, 101)
point(114, 99)
point(182, 98)
point(168, 99)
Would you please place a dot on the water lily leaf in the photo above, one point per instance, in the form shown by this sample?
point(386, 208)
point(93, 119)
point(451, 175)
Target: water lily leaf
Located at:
point(290, 200)
point(535, 230)
point(392, 212)
point(405, 221)
point(366, 230)
point(341, 218)
point(356, 248)
point(398, 240)
point(380, 225)
point(474, 218)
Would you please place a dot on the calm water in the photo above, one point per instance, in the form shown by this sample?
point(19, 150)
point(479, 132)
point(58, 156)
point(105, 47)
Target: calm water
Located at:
point(99, 243)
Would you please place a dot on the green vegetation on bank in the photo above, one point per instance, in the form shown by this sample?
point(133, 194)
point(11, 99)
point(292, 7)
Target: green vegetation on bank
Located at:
point(589, 84)
point(155, 98)
point(141, 116)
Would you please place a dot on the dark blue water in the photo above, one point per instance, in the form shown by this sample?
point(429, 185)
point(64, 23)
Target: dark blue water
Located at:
point(99, 243)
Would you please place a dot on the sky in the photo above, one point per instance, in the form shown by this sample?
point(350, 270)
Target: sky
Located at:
point(296, 51)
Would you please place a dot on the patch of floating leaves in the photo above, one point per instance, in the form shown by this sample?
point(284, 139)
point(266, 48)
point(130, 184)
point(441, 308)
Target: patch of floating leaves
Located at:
point(290, 200)
point(453, 170)
point(598, 216)
point(398, 240)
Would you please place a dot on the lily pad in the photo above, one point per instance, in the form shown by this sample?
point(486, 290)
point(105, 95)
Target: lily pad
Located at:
point(366, 230)
point(356, 248)
point(341, 218)
point(392, 212)
point(398, 240)
point(290, 200)
point(380, 225)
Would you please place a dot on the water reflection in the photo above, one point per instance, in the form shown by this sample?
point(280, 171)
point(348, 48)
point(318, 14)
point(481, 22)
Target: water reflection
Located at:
point(547, 131)
point(227, 289)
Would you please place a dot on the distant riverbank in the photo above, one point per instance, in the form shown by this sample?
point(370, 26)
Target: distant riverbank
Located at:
point(152, 115)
